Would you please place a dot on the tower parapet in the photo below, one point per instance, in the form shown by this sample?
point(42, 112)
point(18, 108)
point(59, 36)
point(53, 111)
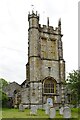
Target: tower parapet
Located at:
point(33, 15)
point(33, 19)
point(49, 29)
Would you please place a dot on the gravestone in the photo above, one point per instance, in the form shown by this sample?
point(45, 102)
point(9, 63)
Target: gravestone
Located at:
point(61, 111)
point(50, 101)
point(48, 105)
point(67, 112)
point(33, 109)
point(21, 108)
point(52, 112)
point(47, 109)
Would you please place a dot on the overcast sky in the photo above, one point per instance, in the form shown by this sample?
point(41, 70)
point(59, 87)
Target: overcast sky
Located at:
point(14, 33)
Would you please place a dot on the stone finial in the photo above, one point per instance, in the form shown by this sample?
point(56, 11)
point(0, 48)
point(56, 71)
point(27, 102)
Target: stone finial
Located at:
point(48, 21)
point(36, 12)
point(32, 11)
point(59, 26)
point(59, 22)
point(28, 12)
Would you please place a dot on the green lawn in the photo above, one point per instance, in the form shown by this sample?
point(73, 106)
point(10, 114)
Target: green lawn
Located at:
point(15, 113)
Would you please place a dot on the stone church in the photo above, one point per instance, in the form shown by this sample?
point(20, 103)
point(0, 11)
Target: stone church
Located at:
point(45, 70)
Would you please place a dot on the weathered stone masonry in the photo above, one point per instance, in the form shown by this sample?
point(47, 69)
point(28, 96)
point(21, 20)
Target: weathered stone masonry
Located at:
point(45, 70)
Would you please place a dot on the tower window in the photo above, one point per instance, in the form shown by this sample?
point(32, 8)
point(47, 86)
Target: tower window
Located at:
point(49, 86)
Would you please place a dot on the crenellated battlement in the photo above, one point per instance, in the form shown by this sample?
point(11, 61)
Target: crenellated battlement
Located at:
point(34, 16)
point(49, 29)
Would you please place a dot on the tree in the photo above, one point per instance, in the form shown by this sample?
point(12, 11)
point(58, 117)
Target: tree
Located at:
point(3, 83)
point(73, 85)
point(3, 96)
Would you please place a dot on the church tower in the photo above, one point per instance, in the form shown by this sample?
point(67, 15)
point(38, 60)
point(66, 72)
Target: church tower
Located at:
point(45, 70)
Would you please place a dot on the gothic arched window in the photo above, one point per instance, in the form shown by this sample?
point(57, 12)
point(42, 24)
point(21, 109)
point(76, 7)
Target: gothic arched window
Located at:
point(49, 86)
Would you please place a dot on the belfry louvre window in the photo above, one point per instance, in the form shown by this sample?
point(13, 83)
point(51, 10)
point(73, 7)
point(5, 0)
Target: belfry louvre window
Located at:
point(49, 86)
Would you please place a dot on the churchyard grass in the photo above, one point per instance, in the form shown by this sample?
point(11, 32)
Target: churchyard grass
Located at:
point(15, 113)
